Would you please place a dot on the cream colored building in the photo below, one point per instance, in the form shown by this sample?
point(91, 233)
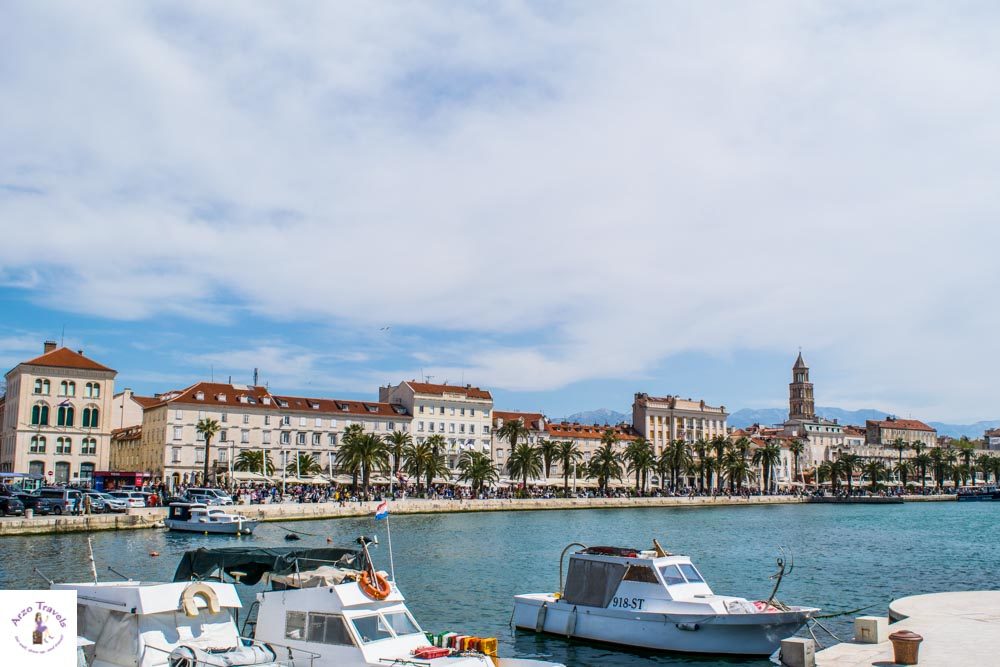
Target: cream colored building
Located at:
point(251, 418)
point(535, 422)
point(588, 439)
point(887, 431)
point(460, 414)
point(56, 416)
point(662, 420)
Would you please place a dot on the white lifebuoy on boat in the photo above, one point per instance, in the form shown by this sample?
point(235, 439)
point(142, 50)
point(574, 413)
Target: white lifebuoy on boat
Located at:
point(198, 590)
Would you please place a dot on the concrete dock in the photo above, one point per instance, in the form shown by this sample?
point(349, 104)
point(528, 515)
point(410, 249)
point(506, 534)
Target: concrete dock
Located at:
point(958, 629)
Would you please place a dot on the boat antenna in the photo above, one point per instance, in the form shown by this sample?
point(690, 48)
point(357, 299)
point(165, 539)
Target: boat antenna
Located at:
point(93, 565)
point(123, 576)
point(562, 557)
point(40, 574)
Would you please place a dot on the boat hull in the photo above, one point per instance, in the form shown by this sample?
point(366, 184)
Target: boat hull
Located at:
point(732, 634)
point(243, 528)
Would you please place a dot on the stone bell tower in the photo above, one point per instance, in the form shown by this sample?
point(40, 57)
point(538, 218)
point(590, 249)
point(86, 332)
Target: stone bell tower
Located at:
point(800, 393)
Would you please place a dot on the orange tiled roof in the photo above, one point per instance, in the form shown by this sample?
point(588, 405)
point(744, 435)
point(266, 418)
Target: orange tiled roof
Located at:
point(145, 401)
point(67, 358)
point(438, 389)
point(585, 431)
point(532, 420)
point(906, 424)
point(336, 406)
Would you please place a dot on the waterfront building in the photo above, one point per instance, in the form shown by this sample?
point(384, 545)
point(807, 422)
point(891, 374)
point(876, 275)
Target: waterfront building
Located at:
point(991, 439)
point(56, 423)
point(534, 422)
point(251, 418)
point(588, 439)
point(662, 420)
point(460, 414)
point(822, 437)
point(887, 431)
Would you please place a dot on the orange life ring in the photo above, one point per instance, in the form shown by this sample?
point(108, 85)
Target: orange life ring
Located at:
point(379, 590)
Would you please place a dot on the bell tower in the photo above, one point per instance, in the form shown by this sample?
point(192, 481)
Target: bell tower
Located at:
point(800, 393)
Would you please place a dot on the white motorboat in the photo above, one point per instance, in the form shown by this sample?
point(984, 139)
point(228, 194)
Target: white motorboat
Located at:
point(331, 602)
point(147, 624)
point(202, 518)
point(656, 600)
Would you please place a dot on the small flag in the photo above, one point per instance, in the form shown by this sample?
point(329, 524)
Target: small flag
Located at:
point(64, 403)
point(382, 511)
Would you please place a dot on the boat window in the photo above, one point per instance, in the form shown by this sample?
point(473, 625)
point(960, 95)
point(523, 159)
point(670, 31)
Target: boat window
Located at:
point(371, 628)
point(402, 623)
point(641, 573)
point(295, 625)
point(671, 575)
point(329, 629)
point(691, 574)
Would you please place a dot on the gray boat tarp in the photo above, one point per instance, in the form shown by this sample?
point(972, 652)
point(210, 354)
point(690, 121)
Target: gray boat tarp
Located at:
point(592, 583)
point(255, 562)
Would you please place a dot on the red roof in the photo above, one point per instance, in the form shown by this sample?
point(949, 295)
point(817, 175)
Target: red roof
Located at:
point(585, 431)
point(439, 389)
point(67, 358)
point(905, 424)
point(336, 406)
point(145, 401)
point(532, 420)
point(215, 393)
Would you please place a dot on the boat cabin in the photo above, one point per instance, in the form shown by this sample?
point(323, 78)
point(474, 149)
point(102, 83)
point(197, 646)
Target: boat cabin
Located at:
point(183, 511)
point(634, 580)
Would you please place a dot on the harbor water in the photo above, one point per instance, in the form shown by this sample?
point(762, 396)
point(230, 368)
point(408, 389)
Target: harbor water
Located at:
point(460, 571)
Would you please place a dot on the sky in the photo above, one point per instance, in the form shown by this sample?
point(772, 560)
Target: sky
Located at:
point(563, 202)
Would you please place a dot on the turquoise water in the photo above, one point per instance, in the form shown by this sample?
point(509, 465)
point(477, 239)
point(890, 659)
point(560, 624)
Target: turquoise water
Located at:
point(460, 571)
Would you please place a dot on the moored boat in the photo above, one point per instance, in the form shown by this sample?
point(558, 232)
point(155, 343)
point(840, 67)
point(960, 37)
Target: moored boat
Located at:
point(655, 600)
point(977, 493)
point(202, 518)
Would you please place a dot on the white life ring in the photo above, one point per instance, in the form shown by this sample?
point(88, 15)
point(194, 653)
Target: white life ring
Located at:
point(199, 590)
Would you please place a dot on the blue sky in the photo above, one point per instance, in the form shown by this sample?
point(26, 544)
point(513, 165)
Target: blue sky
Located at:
point(564, 202)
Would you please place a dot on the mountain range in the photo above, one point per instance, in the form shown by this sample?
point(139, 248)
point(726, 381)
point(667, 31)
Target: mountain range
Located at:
point(769, 416)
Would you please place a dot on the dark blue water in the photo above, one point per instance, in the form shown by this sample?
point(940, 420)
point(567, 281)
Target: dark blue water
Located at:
point(460, 571)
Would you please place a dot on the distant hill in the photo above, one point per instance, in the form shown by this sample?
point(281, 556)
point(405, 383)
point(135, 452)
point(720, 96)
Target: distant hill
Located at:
point(971, 431)
point(599, 416)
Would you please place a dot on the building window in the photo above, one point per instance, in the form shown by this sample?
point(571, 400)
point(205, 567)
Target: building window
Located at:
point(267, 420)
point(245, 436)
point(40, 415)
point(42, 387)
point(430, 426)
point(267, 437)
point(285, 439)
point(175, 455)
point(224, 417)
point(92, 390)
point(300, 438)
point(62, 472)
point(86, 471)
point(223, 435)
point(451, 427)
point(286, 420)
point(315, 439)
point(37, 445)
point(178, 432)
point(88, 446)
point(486, 429)
point(91, 418)
point(246, 419)
point(199, 454)
point(302, 421)
point(333, 439)
point(36, 467)
point(421, 407)
point(64, 415)
point(178, 414)
point(67, 388)
point(442, 409)
point(64, 446)
point(472, 412)
point(442, 427)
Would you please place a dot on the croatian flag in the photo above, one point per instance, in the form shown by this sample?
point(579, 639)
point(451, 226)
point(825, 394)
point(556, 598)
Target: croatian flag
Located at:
point(382, 511)
point(64, 403)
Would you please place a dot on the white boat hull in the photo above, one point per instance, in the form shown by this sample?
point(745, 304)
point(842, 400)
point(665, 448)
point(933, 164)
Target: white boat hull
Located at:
point(218, 528)
point(735, 634)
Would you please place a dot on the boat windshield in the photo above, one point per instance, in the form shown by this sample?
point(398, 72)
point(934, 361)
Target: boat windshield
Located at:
point(691, 574)
point(372, 628)
point(671, 575)
point(402, 623)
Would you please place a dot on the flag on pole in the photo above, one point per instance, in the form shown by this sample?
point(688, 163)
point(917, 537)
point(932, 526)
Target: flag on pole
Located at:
point(382, 511)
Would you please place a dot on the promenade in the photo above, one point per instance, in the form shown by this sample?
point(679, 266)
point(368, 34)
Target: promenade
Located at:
point(291, 511)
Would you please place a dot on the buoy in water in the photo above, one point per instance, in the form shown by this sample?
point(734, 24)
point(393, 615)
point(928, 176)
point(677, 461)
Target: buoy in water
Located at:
point(154, 554)
point(292, 536)
point(329, 540)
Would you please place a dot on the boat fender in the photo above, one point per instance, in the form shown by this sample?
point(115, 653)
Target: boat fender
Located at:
point(690, 627)
point(540, 620)
point(378, 589)
point(571, 623)
point(198, 590)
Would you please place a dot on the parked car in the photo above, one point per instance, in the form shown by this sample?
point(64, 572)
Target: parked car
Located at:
point(209, 496)
point(71, 499)
point(40, 505)
point(9, 504)
point(111, 503)
point(133, 498)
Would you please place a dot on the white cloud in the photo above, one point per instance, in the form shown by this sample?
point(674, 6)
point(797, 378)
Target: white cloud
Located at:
point(619, 183)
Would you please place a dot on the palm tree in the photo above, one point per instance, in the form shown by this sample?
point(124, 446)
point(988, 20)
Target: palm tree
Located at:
point(525, 461)
point(252, 460)
point(420, 460)
point(605, 464)
point(767, 457)
point(477, 469)
point(347, 440)
point(951, 461)
point(568, 455)
point(549, 449)
point(903, 470)
point(796, 447)
point(719, 442)
point(678, 455)
point(827, 471)
point(900, 446)
point(737, 468)
point(923, 461)
point(397, 442)
point(709, 466)
point(849, 463)
point(512, 431)
point(640, 458)
point(207, 428)
point(985, 463)
point(966, 450)
point(701, 448)
point(874, 468)
point(304, 464)
point(364, 453)
point(437, 444)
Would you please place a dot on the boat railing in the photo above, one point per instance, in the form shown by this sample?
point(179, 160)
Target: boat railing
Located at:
point(293, 657)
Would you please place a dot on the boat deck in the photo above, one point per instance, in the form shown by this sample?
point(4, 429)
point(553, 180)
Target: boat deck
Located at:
point(958, 629)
